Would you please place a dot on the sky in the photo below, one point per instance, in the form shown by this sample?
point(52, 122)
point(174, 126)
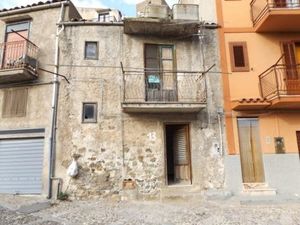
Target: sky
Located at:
point(127, 7)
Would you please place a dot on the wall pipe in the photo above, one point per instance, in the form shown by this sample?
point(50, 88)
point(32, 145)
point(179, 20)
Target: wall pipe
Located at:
point(54, 104)
point(220, 133)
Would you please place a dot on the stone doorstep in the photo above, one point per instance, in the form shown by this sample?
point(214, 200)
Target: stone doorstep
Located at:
point(180, 191)
point(257, 189)
point(34, 207)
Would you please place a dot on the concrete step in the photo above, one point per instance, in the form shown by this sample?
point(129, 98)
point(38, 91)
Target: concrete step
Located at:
point(180, 192)
point(258, 189)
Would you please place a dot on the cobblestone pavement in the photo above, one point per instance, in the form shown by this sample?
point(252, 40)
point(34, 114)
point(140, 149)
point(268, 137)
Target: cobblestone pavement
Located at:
point(107, 212)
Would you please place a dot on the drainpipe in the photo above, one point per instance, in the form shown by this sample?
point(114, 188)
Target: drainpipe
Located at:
point(220, 113)
point(54, 104)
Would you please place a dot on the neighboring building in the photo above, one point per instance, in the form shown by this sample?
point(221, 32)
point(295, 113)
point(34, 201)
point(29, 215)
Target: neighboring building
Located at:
point(28, 44)
point(260, 59)
point(142, 111)
point(100, 15)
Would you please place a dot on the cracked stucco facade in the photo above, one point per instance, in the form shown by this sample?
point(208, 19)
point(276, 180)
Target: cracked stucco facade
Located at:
point(130, 145)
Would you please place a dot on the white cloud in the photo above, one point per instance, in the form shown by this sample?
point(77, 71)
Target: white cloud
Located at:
point(133, 2)
point(89, 3)
point(172, 2)
point(14, 3)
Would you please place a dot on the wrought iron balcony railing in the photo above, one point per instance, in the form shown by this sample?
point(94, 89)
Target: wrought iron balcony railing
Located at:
point(164, 87)
point(18, 54)
point(259, 8)
point(280, 80)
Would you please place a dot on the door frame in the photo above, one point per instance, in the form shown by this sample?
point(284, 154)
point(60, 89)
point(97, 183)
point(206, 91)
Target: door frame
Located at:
point(291, 75)
point(7, 33)
point(298, 143)
point(160, 73)
point(188, 124)
point(260, 152)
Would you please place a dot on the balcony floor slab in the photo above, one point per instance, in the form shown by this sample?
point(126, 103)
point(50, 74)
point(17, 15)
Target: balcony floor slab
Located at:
point(163, 107)
point(16, 75)
point(279, 20)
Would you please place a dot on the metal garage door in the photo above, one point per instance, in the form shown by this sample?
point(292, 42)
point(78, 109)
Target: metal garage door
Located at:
point(21, 164)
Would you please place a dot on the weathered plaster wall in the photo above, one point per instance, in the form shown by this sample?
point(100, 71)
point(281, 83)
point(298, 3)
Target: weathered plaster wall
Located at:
point(98, 145)
point(42, 33)
point(129, 146)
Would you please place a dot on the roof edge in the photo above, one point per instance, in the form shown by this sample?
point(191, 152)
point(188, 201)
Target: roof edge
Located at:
point(33, 7)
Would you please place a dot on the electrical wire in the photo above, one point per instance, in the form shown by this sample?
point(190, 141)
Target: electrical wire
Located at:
point(138, 69)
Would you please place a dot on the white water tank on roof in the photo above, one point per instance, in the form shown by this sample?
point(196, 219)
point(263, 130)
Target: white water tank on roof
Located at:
point(156, 11)
point(186, 12)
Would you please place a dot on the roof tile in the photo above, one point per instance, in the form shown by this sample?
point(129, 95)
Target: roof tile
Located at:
point(32, 5)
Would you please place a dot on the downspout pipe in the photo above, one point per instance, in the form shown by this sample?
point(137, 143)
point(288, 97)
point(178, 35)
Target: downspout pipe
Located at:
point(54, 104)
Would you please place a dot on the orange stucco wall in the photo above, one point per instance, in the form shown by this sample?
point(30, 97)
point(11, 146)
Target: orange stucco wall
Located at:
point(236, 13)
point(264, 49)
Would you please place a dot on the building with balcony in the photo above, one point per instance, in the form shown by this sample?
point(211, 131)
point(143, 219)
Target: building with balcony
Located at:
point(140, 114)
point(27, 49)
point(260, 53)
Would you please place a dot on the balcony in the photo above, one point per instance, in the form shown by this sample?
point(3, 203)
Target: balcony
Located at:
point(164, 92)
point(280, 84)
point(158, 21)
point(18, 61)
point(275, 15)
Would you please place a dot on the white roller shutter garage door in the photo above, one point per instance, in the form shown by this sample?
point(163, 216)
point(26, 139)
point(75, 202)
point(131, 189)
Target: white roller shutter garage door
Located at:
point(21, 165)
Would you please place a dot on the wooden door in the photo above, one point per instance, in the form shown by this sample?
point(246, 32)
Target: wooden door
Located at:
point(181, 147)
point(292, 61)
point(160, 79)
point(250, 151)
point(280, 3)
point(169, 92)
point(298, 141)
point(15, 49)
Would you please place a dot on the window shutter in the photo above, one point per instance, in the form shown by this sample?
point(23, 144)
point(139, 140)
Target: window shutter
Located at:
point(180, 147)
point(239, 56)
point(279, 3)
point(15, 102)
point(290, 59)
point(289, 53)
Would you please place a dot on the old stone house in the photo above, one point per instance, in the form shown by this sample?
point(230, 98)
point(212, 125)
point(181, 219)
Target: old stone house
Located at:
point(139, 108)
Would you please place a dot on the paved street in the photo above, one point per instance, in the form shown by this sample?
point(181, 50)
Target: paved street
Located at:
point(173, 212)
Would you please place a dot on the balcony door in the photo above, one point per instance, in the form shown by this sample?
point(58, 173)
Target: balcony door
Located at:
point(291, 52)
point(285, 3)
point(160, 80)
point(14, 49)
point(280, 3)
point(250, 151)
point(298, 141)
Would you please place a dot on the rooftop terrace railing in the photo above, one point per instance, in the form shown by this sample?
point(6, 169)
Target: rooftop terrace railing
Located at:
point(259, 8)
